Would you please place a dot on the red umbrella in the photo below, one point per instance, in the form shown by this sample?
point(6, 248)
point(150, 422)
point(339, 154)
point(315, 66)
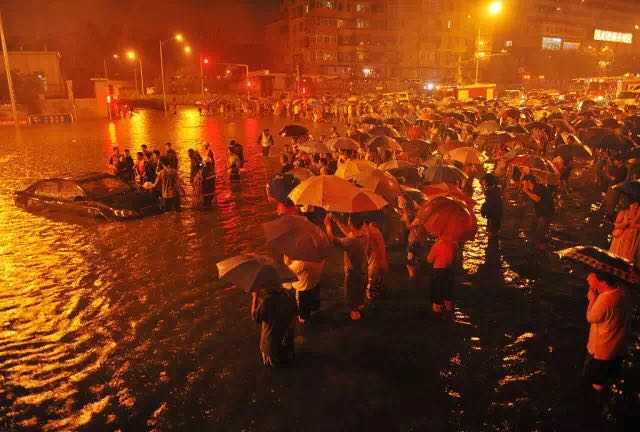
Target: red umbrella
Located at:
point(445, 189)
point(448, 217)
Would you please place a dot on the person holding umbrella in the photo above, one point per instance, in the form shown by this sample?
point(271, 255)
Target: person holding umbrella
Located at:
point(271, 307)
point(542, 199)
point(608, 311)
point(354, 244)
point(492, 208)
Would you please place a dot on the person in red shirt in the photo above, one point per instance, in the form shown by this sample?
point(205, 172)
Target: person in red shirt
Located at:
point(442, 257)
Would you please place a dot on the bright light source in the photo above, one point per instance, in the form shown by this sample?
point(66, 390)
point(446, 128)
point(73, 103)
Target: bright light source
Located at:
point(179, 37)
point(367, 72)
point(495, 8)
point(131, 55)
point(205, 60)
point(429, 86)
point(481, 54)
point(116, 56)
point(187, 49)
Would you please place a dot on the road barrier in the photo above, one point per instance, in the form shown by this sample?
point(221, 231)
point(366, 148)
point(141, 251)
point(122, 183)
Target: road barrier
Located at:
point(50, 118)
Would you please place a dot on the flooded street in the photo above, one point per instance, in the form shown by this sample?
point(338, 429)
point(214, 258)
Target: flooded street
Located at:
point(121, 326)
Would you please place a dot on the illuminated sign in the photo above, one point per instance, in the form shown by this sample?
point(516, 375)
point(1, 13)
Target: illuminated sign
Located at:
point(551, 43)
point(611, 36)
point(571, 46)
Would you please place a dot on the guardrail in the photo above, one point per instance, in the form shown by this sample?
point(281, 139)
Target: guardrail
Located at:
point(34, 119)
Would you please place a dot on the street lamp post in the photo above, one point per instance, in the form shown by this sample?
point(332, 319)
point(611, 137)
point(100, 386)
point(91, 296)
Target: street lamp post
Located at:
point(7, 68)
point(178, 38)
point(131, 55)
point(203, 61)
point(493, 9)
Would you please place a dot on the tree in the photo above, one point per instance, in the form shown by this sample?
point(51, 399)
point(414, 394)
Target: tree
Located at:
point(27, 87)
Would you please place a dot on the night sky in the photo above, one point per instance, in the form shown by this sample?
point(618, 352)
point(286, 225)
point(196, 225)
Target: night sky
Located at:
point(88, 31)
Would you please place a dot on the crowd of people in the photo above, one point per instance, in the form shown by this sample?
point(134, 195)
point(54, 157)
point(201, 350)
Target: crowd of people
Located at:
point(533, 157)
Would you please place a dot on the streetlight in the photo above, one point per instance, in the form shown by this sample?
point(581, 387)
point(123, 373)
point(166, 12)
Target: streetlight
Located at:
point(204, 61)
point(493, 9)
point(133, 56)
point(187, 50)
point(178, 37)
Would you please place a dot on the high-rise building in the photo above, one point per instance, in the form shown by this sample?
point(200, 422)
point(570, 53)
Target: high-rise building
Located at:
point(333, 37)
point(441, 39)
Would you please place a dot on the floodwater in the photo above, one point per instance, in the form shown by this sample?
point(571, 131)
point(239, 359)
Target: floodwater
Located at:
point(120, 326)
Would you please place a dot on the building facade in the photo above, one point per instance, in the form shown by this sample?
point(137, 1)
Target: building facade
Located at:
point(440, 39)
point(333, 37)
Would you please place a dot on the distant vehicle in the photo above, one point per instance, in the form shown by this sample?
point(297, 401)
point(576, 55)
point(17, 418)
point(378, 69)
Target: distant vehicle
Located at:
point(627, 98)
point(98, 195)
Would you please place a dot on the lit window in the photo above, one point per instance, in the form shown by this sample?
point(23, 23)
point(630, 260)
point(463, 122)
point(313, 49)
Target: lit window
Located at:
point(508, 44)
point(551, 43)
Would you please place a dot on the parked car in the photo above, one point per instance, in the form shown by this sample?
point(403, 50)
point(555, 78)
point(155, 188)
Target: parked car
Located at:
point(97, 195)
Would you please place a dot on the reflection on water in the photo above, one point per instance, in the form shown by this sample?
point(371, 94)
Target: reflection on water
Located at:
point(73, 292)
point(115, 325)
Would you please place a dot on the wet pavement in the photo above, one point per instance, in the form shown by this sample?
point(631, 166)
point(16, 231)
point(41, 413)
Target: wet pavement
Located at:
point(120, 326)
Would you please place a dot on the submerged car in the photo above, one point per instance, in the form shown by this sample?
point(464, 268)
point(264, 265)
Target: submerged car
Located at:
point(98, 195)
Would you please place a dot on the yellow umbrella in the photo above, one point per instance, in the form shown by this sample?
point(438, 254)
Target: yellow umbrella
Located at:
point(466, 155)
point(380, 182)
point(353, 168)
point(336, 195)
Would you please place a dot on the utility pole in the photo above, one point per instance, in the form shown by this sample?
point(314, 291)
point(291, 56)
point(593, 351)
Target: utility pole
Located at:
point(164, 92)
point(144, 91)
point(7, 69)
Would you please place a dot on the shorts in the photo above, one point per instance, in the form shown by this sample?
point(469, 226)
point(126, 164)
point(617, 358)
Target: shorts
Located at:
point(600, 371)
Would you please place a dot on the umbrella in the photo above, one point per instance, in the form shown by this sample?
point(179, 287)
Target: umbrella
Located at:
point(417, 148)
point(352, 168)
point(248, 271)
point(301, 174)
point(444, 174)
point(493, 141)
point(586, 124)
point(631, 189)
point(384, 142)
point(574, 151)
point(394, 164)
point(384, 131)
point(548, 129)
point(511, 113)
point(561, 125)
point(395, 122)
point(445, 189)
point(533, 161)
point(380, 182)
point(603, 261)
point(335, 194)
point(611, 123)
point(360, 137)
point(281, 185)
point(517, 129)
point(409, 175)
point(415, 132)
point(372, 121)
point(488, 127)
point(297, 238)
point(448, 217)
point(449, 145)
point(466, 155)
point(294, 131)
point(342, 143)
point(610, 142)
point(313, 147)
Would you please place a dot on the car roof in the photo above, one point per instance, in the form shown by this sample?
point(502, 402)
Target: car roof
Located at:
point(89, 176)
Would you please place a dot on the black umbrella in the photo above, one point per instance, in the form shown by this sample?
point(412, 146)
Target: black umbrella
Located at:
point(603, 261)
point(611, 123)
point(408, 175)
point(372, 121)
point(384, 131)
point(297, 237)
point(294, 131)
point(630, 188)
point(444, 174)
point(281, 186)
point(383, 142)
point(586, 123)
point(361, 137)
point(249, 271)
point(574, 151)
point(548, 129)
point(517, 129)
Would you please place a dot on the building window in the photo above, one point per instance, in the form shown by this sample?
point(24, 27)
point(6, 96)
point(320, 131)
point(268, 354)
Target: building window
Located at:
point(360, 23)
point(449, 24)
point(508, 44)
point(551, 43)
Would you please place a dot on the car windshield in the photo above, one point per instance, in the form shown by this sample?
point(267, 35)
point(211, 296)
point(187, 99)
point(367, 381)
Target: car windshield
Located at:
point(104, 186)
